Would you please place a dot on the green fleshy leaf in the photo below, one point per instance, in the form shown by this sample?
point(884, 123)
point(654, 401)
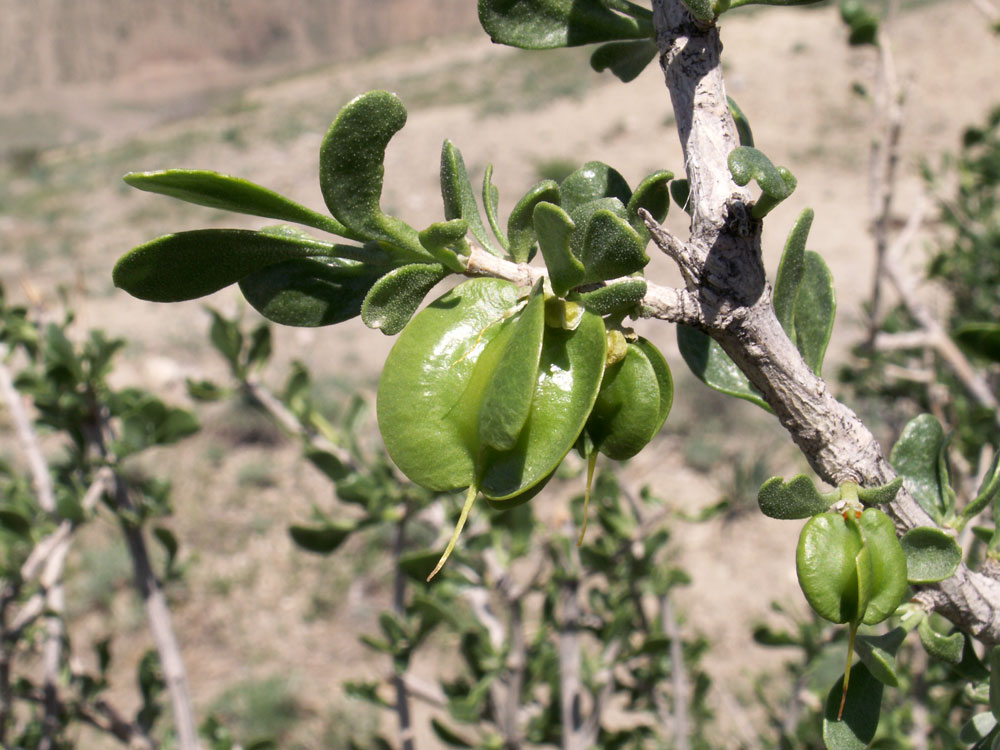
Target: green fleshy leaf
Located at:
point(459, 200)
point(611, 248)
point(546, 24)
point(712, 366)
point(916, 456)
point(947, 648)
point(981, 339)
point(189, 265)
point(798, 498)
point(507, 398)
point(395, 297)
point(742, 123)
point(625, 59)
point(878, 654)
point(491, 202)
point(520, 224)
point(880, 495)
point(931, 554)
point(776, 183)
point(701, 9)
point(862, 24)
point(978, 728)
point(328, 463)
point(680, 191)
point(447, 735)
point(592, 181)
point(216, 190)
point(804, 295)
point(321, 539)
point(553, 228)
point(616, 298)
point(351, 170)
point(652, 194)
point(856, 729)
point(308, 293)
point(441, 237)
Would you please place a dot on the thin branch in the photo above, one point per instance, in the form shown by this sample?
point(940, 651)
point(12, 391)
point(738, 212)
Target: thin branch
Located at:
point(157, 612)
point(680, 685)
point(735, 304)
point(570, 684)
point(399, 609)
point(26, 435)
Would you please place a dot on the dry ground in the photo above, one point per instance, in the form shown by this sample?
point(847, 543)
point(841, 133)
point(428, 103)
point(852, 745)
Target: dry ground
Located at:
point(252, 607)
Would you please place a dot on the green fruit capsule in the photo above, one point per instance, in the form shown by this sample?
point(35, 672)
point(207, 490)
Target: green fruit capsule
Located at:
point(851, 566)
point(633, 403)
point(826, 562)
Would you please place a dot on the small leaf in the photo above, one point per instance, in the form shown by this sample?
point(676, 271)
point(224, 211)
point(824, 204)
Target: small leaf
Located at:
point(351, 170)
point(546, 24)
point(948, 648)
point(521, 226)
point(418, 565)
point(321, 539)
point(916, 456)
point(981, 339)
point(491, 202)
point(701, 9)
point(713, 367)
point(170, 546)
point(15, 523)
point(611, 248)
point(445, 240)
point(459, 200)
point(616, 298)
point(652, 194)
point(856, 729)
point(880, 495)
point(863, 25)
point(931, 554)
point(217, 190)
point(804, 295)
point(978, 728)
point(776, 183)
point(310, 293)
point(553, 228)
point(592, 181)
point(327, 463)
point(680, 191)
point(447, 735)
point(742, 123)
point(625, 59)
point(878, 653)
point(395, 297)
point(799, 498)
point(188, 265)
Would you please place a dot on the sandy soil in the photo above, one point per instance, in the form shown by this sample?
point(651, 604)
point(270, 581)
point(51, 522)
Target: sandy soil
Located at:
point(252, 605)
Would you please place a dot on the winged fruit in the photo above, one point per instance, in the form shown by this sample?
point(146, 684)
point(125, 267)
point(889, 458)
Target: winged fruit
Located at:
point(479, 392)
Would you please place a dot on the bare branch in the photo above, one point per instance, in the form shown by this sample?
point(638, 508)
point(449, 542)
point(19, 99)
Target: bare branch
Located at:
point(26, 435)
point(680, 686)
point(736, 309)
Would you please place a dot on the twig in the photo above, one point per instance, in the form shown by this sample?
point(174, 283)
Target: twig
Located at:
point(157, 612)
point(570, 685)
point(988, 9)
point(26, 434)
point(290, 423)
point(884, 159)
point(399, 609)
point(680, 687)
